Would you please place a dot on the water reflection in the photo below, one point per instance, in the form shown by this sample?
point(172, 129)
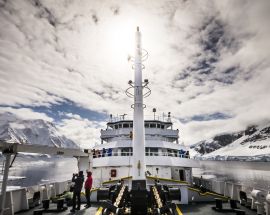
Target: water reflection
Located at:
point(251, 174)
point(38, 170)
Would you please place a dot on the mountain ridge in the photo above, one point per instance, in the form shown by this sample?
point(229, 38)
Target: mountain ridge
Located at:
point(253, 143)
point(34, 131)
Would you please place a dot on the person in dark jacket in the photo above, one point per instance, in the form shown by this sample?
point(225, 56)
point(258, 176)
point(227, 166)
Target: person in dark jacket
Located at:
point(94, 153)
point(87, 186)
point(78, 184)
point(103, 152)
point(110, 152)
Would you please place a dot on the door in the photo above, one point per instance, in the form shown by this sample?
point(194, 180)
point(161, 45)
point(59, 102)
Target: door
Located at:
point(181, 175)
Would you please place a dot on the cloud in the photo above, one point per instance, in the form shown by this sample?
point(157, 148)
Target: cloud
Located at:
point(205, 57)
point(82, 131)
point(25, 113)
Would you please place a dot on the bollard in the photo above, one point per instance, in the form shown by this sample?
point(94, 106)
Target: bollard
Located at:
point(233, 204)
point(60, 204)
point(218, 203)
point(46, 204)
point(258, 199)
point(243, 198)
point(267, 204)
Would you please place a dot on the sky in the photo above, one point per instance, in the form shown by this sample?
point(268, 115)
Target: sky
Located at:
point(68, 62)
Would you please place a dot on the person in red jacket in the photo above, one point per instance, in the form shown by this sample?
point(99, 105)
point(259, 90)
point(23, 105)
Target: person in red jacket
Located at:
point(87, 186)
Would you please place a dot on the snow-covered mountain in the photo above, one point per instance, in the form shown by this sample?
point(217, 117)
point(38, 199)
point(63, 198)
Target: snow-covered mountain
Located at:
point(251, 144)
point(40, 132)
point(215, 143)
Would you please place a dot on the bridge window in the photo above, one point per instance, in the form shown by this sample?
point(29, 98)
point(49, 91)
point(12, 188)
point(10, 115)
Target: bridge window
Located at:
point(126, 126)
point(158, 125)
point(151, 151)
point(120, 125)
point(146, 125)
point(152, 125)
point(116, 126)
point(126, 151)
point(147, 151)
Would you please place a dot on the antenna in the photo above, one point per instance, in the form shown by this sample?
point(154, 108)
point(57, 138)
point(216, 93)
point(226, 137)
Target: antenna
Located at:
point(169, 117)
point(154, 111)
point(123, 116)
point(110, 117)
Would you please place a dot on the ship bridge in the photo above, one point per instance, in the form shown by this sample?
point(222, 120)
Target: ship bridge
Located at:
point(160, 139)
point(162, 147)
point(153, 130)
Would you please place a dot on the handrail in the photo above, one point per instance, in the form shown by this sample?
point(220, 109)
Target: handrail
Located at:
point(163, 118)
point(179, 212)
point(99, 211)
point(100, 154)
point(167, 179)
point(208, 193)
point(116, 180)
point(148, 177)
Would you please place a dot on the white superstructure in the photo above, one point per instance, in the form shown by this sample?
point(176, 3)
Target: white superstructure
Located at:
point(125, 142)
point(165, 157)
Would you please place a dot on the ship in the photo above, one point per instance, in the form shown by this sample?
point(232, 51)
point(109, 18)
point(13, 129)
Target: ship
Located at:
point(165, 157)
point(139, 168)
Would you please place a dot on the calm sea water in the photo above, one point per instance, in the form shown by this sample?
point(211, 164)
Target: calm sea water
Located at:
point(39, 170)
point(251, 174)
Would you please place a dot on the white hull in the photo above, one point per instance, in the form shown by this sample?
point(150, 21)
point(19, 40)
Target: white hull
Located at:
point(175, 168)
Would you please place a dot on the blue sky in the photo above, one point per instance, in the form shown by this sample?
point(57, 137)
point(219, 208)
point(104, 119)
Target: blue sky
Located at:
point(67, 62)
point(58, 111)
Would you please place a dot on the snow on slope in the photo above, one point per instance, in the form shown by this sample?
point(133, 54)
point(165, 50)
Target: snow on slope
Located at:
point(219, 141)
point(40, 132)
point(255, 146)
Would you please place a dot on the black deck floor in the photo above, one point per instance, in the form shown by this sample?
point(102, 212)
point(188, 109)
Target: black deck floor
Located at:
point(89, 211)
point(191, 209)
point(206, 209)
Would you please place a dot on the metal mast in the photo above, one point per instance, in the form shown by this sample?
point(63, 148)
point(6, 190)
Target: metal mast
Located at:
point(138, 164)
point(138, 170)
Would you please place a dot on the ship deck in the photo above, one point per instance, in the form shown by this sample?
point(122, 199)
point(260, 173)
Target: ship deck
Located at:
point(202, 208)
point(89, 211)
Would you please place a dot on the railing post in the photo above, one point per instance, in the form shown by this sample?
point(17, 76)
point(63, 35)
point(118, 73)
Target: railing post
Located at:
point(4, 183)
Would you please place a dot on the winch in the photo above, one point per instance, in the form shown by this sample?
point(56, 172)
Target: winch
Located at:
point(156, 199)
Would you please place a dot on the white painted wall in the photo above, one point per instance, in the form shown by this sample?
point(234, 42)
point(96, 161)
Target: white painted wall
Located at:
point(148, 143)
point(150, 161)
point(102, 174)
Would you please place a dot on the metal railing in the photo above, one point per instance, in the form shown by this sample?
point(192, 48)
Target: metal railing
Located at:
point(148, 131)
point(147, 117)
point(166, 154)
